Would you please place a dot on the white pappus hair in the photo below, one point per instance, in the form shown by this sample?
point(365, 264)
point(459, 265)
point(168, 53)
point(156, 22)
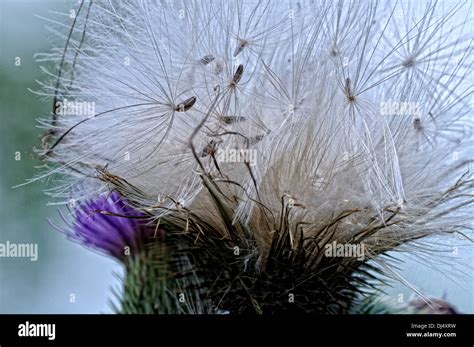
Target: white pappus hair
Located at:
point(358, 114)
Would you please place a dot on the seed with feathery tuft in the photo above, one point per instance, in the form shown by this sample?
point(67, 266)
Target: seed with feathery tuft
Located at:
point(237, 75)
point(185, 105)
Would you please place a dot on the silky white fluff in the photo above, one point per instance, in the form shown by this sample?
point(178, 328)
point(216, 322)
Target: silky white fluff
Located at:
point(308, 102)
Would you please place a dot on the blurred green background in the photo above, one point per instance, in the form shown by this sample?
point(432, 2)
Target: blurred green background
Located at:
point(65, 268)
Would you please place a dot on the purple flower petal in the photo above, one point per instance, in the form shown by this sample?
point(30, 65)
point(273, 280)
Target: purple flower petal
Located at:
point(110, 224)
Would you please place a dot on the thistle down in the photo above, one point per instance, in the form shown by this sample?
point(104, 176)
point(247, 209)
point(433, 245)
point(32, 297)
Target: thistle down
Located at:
point(308, 95)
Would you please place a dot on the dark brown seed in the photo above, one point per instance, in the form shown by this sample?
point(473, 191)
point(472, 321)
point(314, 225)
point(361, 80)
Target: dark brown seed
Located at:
point(232, 119)
point(417, 123)
point(185, 105)
point(350, 96)
point(207, 59)
point(348, 85)
point(242, 44)
point(238, 74)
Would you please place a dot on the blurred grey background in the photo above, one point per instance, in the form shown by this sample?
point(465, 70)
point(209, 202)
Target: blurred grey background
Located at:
point(64, 268)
